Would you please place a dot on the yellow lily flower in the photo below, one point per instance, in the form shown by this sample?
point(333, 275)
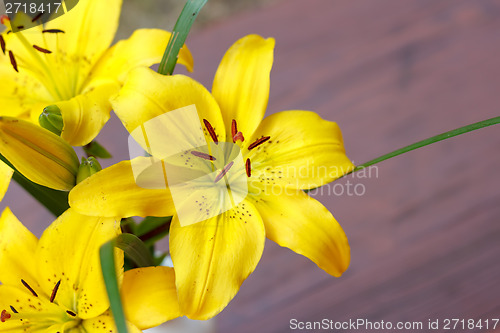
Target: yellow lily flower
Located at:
point(290, 151)
point(69, 62)
point(55, 284)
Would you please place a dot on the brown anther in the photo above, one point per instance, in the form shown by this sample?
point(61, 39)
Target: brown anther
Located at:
point(258, 142)
point(203, 155)
point(223, 172)
point(41, 49)
point(36, 18)
point(2, 44)
point(29, 288)
point(53, 31)
point(248, 167)
point(54, 291)
point(211, 131)
point(71, 313)
point(20, 27)
point(13, 61)
point(13, 309)
point(234, 128)
point(5, 315)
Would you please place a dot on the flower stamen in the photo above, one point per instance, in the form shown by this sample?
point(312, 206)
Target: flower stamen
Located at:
point(234, 128)
point(13, 309)
point(36, 18)
point(53, 31)
point(41, 49)
point(2, 43)
point(13, 61)
point(211, 131)
point(71, 313)
point(223, 172)
point(54, 292)
point(235, 134)
point(203, 155)
point(258, 142)
point(20, 27)
point(248, 167)
point(29, 288)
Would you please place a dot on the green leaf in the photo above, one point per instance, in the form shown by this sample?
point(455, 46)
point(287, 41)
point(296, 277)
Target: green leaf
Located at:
point(107, 255)
point(134, 249)
point(152, 229)
point(179, 35)
point(97, 150)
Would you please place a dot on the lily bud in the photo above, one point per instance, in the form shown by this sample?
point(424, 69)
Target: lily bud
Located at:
point(41, 156)
point(88, 167)
point(51, 119)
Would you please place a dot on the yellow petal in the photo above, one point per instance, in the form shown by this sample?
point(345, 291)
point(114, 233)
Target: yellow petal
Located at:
point(5, 176)
point(69, 251)
point(89, 28)
point(41, 156)
point(241, 84)
point(147, 94)
point(114, 192)
point(85, 115)
point(213, 258)
point(21, 94)
point(105, 324)
point(144, 48)
point(301, 223)
point(149, 296)
point(17, 249)
point(304, 151)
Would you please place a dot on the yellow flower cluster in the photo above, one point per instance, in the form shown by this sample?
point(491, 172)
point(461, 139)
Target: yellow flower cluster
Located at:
point(69, 63)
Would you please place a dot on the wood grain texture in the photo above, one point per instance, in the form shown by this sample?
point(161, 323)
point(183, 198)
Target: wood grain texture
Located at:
point(425, 237)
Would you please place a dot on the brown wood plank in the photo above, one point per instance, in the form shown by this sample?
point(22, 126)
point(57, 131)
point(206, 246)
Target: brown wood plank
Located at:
point(425, 236)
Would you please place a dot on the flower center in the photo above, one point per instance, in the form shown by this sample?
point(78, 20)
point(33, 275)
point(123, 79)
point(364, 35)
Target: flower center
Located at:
point(28, 51)
point(34, 311)
point(238, 138)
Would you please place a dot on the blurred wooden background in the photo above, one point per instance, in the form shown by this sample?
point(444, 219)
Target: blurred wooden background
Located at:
point(425, 236)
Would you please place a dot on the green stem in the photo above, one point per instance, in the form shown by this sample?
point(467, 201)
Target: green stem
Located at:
point(55, 201)
point(426, 142)
point(179, 35)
